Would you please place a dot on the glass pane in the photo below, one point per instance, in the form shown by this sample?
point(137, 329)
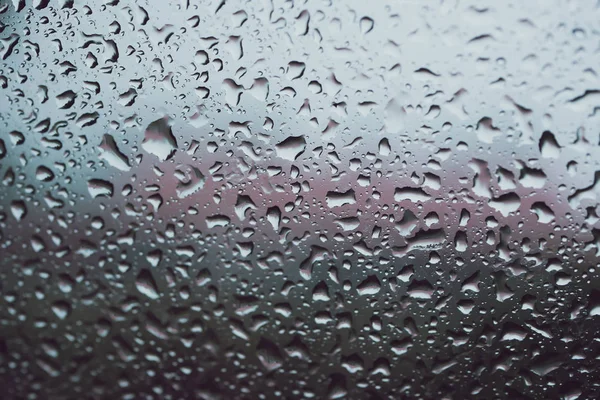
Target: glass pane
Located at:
point(299, 199)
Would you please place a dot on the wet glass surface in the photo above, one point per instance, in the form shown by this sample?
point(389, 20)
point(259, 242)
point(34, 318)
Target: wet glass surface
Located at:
point(299, 200)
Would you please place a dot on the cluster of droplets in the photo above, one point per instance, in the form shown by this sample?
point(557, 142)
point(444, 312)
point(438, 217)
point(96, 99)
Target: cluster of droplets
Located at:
point(287, 200)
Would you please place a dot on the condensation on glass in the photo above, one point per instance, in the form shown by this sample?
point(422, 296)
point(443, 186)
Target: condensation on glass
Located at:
point(299, 199)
